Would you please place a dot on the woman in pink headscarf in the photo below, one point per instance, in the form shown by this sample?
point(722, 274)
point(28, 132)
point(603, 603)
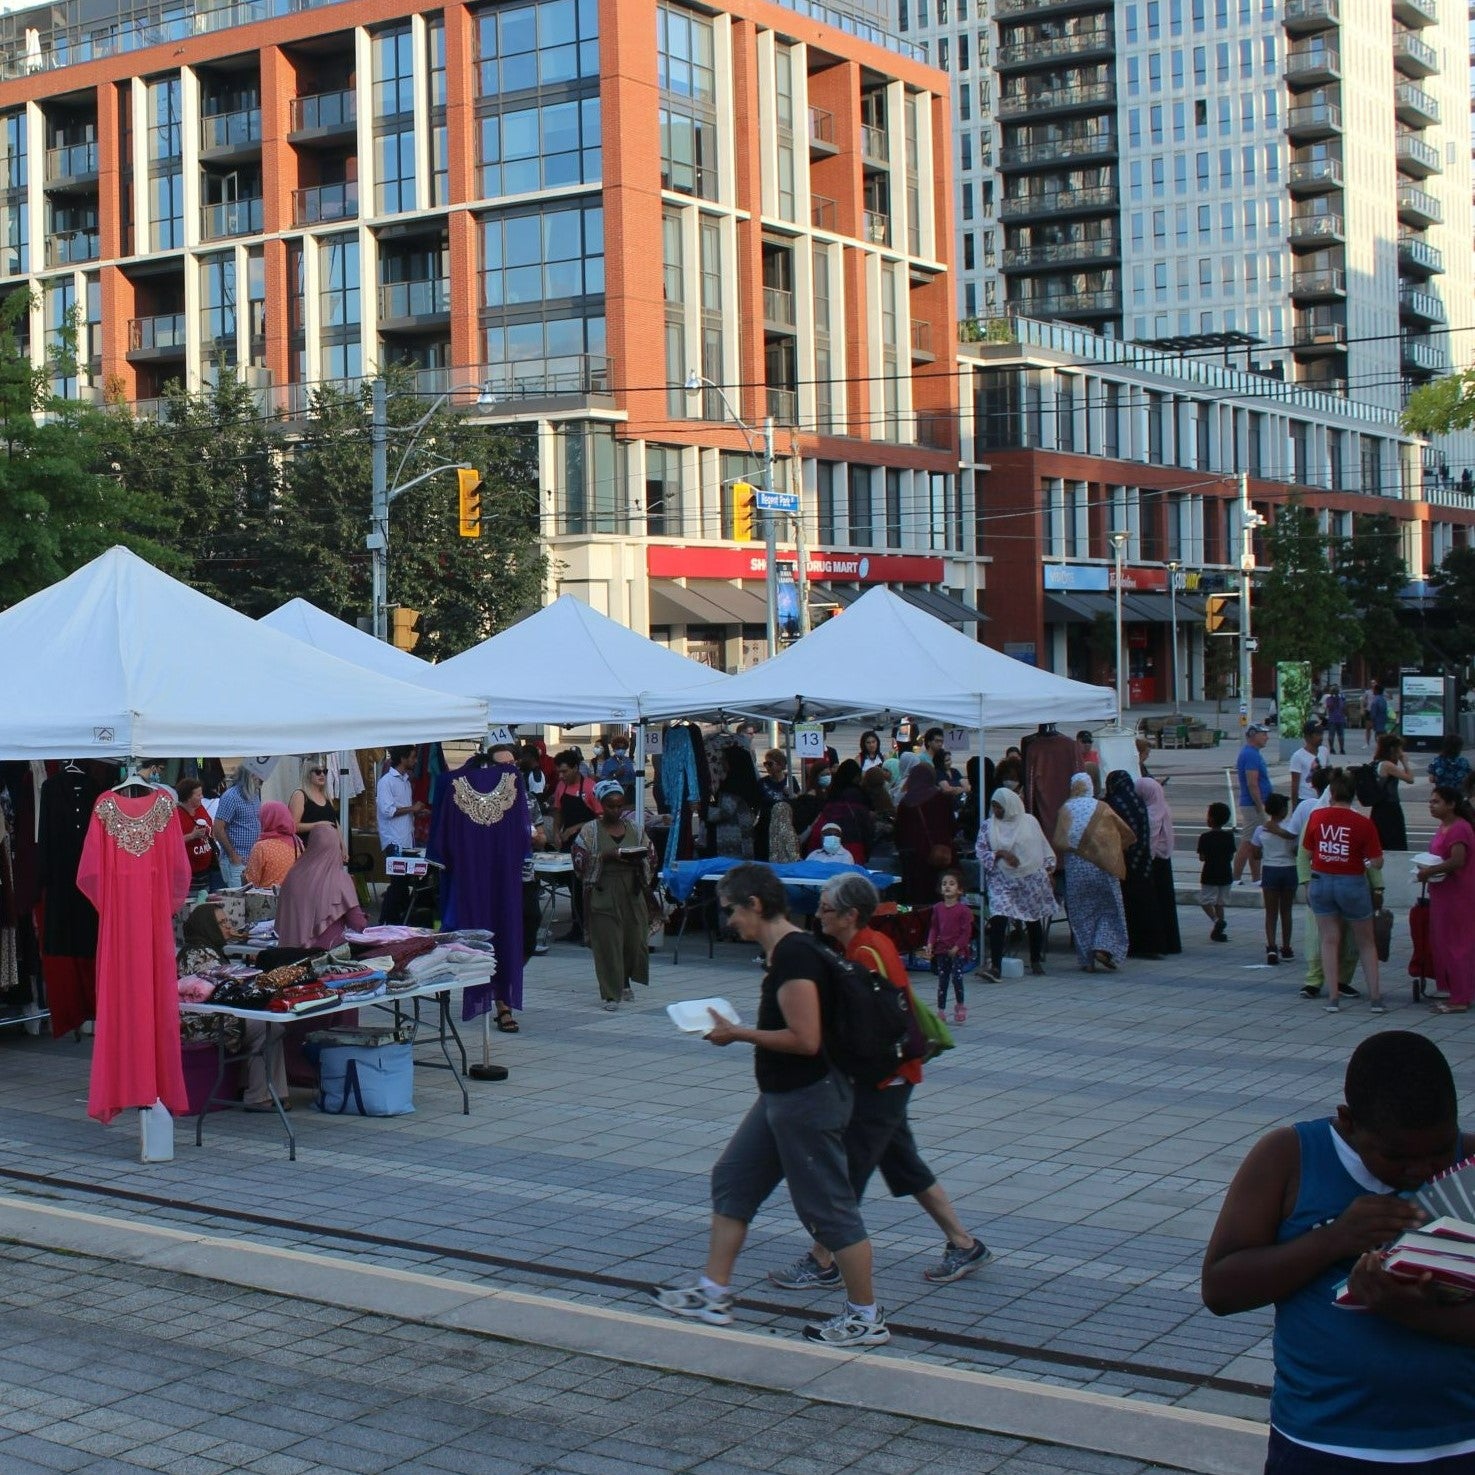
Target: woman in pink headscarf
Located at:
point(1160, 833)
point(318, 903)
point(275, 853)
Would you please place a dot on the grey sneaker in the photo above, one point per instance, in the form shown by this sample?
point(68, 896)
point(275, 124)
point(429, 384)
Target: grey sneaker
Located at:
point(805, 1274)
point(687, 1298)
point(956, 1263)
point(849, 1329)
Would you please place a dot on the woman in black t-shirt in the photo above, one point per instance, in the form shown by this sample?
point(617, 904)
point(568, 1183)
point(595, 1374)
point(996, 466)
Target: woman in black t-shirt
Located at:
point(793, 1133)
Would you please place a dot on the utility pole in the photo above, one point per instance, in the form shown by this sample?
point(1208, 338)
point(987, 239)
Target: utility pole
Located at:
point(1248, 522)
point(378, 539)
point(770, 539)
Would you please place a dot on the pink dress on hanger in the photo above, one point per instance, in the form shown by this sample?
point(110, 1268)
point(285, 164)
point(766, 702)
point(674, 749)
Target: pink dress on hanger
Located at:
point(136, 872)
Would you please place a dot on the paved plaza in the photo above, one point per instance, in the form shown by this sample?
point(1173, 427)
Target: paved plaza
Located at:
point(1086, 1126)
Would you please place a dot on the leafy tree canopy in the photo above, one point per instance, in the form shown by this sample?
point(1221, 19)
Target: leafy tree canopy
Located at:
point(1301, 611)
point(1371, 567)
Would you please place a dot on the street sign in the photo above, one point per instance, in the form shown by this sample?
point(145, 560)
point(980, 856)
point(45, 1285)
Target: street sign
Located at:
point(777, 502)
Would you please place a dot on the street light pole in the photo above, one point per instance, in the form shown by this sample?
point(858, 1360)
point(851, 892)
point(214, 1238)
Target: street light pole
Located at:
point(1249, 520)
point(1173, 567)
point(1119, 543)
point(382, 493)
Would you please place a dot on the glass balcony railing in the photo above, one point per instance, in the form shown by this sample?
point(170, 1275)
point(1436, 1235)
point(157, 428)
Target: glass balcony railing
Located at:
point(1311, 174)
point(68, 246)
point(778, 306)
point(824, 213)
point(877, 228)
point(873, 144)
point(236, 130)
point(71, 161)
point(783, 405)
point(231, 218)
point(167, 331)
point(321, 203)
point(430, 297)
point(1415, 251)
point(822, 128)
point(323, 111)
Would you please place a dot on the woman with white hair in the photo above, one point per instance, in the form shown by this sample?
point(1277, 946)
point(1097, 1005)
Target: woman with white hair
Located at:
point(1094, 840)
point(1016, 863)
point(615, 861)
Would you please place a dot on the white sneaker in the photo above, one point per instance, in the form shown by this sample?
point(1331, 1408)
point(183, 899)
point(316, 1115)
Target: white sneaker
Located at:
point(849, 1329)
point(688, 1298)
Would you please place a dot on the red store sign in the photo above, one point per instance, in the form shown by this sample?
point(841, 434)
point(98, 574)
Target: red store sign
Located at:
point(1140, 579)
point(665, 562)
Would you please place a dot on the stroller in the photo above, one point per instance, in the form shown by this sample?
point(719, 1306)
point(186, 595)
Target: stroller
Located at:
point(1421, 964)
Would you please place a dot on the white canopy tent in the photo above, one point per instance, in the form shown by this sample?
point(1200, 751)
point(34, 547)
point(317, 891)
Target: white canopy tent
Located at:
point(571, 665)
point(885, 655)
point(120, 660)
point(335, 637)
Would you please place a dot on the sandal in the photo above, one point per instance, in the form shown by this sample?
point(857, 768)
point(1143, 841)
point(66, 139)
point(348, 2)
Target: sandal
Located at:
point(1106, 961)
point(1451, 1008)
point(506, 1023)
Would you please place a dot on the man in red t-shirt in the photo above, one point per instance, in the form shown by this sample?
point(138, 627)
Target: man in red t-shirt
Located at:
point(1342, 844)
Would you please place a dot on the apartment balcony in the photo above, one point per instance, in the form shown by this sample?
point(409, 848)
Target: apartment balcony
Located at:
point(1096, 44)
point(1414, 106)
point(163, 336)
point(1412, 56)
point(1416, 305)
point(1314, 176)
point(1029, 9)
point(1053, 204)
point(782, 405)
point(1087, 96)
point(65, 248)
point(922, 343)
point(1311, 66)
point(1421, 359)
point(231, 133)
point(1319, 335)
point(324, 117)
point(822, 142)
point(1317, 230)
point(1416, 159)
point(824, 213)
point(1305, 16)
point(875, 148)
point(72, 166)
point(1418, 207)
point(231, 218)
point(1062, 253)
point(1312, 121)
point(1081, 147)
point(324, 203)
point(587, 377)
point(877, 228)
point(1329, 285)
point(1416, 14)
point(1104, 303)
point(778, 309)
point(411, 306)
point(1417, 257)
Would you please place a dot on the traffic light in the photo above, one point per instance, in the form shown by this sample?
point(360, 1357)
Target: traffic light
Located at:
point(405, 627)
point(742, 512)
point(1216, 613)
point(469, 482)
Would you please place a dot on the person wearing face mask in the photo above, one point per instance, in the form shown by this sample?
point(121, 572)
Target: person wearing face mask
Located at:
point(830, 850)
point(807, 806)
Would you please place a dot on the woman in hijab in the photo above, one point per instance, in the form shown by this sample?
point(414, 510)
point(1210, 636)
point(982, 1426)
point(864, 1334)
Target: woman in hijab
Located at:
point(1093, 841)
point(275, 853)
point(924, 833)
point(616, 863)
point(1160, 833)
point(1144, 928)
point(318, 903)
point(736, 804)
point(848, 807)
point(1016, 863)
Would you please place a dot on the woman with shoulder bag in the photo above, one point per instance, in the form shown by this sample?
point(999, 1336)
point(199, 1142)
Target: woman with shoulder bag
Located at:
point(924, 834)
point(1094, 840)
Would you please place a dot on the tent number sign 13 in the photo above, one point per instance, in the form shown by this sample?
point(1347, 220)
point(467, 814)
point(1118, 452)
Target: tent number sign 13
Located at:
point(809, 740)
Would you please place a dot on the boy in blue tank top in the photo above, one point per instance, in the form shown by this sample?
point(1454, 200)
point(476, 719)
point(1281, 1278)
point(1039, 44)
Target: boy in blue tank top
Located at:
point(1389, 1388)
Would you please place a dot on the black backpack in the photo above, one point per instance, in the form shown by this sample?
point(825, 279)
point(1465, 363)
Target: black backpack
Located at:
point(867, 1023)
point(1366, 786)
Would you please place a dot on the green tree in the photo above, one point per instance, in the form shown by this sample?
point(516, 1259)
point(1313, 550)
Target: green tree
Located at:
point(1371, 567)
point(465, 588)
point(62, 499)
point(1454, 589)
point(1444, 405)
point(1300, 611)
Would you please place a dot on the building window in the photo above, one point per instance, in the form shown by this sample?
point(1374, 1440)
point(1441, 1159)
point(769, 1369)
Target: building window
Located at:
point(824, 485)
point(394, 172)
point(686, 74)
point(394, 73)
point(862, 532)
point(673, 251)
point(550, 43)
point(662, 491)
point(218, 308)
point(541, 147)
point(893, 507)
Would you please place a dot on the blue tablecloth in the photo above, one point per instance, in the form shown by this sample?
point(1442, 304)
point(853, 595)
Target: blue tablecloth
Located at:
point(681, 879)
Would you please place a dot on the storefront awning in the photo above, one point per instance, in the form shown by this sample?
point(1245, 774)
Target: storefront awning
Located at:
point(1158, 608)
point(1077, 608)
point(947, 607)
point(704, 602)
point(843, 595)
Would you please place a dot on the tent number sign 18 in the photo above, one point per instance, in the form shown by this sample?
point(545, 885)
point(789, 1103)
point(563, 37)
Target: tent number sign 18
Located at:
point(809, 740)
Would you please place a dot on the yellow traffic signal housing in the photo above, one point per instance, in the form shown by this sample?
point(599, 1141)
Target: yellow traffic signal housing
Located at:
point(1216, 613)
point(405, 628)
point(742, 512)
point(469, 483)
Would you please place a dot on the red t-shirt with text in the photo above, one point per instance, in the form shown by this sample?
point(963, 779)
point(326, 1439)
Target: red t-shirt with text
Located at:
point(1342, 842)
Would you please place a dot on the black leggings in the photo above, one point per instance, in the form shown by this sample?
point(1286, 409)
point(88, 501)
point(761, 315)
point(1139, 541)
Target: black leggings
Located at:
point(998, 932)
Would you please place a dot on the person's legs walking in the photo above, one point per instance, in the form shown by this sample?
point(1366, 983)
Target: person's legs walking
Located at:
point(998, 931)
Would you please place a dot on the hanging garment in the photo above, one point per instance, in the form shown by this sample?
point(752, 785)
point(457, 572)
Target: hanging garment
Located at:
point(1050, 759)
point(70, 926)
point(480, 832)
point(136, 872)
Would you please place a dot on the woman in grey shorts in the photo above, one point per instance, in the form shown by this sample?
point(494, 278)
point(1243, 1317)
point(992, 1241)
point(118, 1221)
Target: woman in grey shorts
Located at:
point(793, 1133)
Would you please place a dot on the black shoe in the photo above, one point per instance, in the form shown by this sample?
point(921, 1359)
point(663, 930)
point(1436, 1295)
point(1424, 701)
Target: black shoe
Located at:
point(1348, 992)
point(1311, 991)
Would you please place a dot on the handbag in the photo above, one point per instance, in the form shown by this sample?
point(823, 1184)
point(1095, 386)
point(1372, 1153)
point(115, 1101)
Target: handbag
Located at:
point(1383, 932)
point(365, 1072)
point(939, 1036)
point(940, 856)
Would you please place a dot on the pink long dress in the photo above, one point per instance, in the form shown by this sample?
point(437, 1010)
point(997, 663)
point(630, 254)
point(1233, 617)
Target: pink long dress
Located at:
point(1451, 903)
point(135, 870)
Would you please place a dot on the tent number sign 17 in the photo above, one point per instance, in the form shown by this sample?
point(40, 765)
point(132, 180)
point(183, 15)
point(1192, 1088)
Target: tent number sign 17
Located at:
point(957, 739)
point(809, 740)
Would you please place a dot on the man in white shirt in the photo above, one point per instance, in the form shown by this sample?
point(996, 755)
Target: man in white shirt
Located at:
point(395, 806)
point(1311, 755)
